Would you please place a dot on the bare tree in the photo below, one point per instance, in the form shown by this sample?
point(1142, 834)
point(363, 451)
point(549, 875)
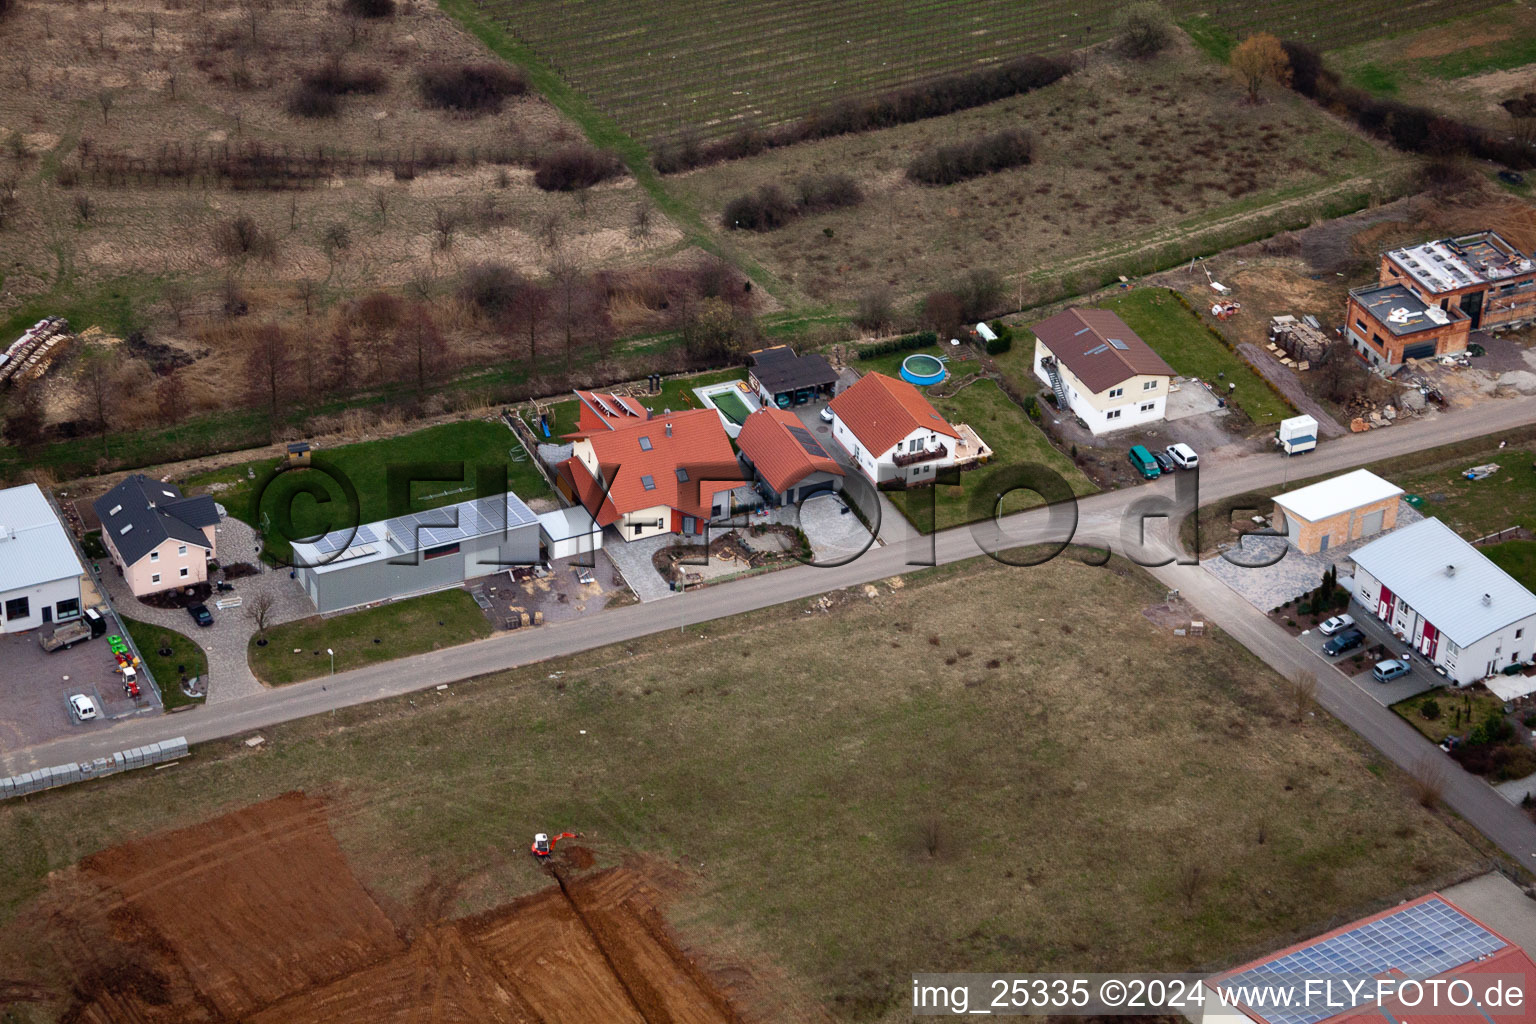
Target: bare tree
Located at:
point(420, 338)
point(306, 289)
point(343, 355)
point(445, 222)
point(641, 225)
point(177, 298)
point(104, 99)
point(98, 382)
point(170, 405)
point(381, 204)
point(1301, 688)
point(1191, 880)
point(10, 202)
point(269, 367)
point(85, 207)
point(565, 275)
point(260, 611)
point(529, 304)
point(1426, 781)
point(171, 78)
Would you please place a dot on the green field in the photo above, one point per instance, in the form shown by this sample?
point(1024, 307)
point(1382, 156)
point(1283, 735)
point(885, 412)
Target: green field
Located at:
point(658, 68)
point(1179, 336)
point(296, 650)
point(1017, 795)
point(185, 654)
point(1014, 440)
point(475, 443)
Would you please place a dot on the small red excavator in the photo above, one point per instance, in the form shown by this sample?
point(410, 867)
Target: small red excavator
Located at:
point(544, 845)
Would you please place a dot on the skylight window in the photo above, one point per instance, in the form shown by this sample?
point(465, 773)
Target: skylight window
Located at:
point(114, 510)
point(645, 444)
point(682, 475)
point(648, 482)
point(125, 529)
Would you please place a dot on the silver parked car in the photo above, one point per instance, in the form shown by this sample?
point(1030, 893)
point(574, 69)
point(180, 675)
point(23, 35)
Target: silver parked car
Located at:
point(1335, 624)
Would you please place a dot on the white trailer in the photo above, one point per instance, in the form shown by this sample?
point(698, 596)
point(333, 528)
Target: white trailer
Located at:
point(1297, 434)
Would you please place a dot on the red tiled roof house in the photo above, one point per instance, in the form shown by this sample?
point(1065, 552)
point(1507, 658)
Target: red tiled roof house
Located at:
point(644, 474)
point(891, 432)
point(786, 460)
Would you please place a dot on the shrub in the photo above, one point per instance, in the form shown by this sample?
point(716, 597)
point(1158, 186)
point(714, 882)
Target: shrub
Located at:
point(491, 288)
point(1004, 340)
point(369, 8)
point(1143, 30)
point(986, 154)
point(876, 309)
point(764, 210)
point(575, 166)
point(240, 235)
point(1430, 709)
point(338, 80)
point(472, 88)
point(827, 192)
point(979, 291)
point(308, 101)
point(1032, 407)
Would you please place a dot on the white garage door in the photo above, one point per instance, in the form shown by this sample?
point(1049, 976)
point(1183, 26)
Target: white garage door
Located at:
point(1371, 523)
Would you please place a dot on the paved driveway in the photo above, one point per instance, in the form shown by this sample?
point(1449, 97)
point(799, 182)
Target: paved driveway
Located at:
point(1421, 679)
point(35, 687)
point(228, 639)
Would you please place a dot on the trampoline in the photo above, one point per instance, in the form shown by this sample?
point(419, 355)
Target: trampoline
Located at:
point(922, 370)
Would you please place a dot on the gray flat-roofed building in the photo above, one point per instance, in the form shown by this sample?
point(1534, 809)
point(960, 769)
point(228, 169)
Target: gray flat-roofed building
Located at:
point(39, 570)
point(417, 553)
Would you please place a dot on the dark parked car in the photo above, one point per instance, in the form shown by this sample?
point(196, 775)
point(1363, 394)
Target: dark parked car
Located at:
point(1164, 463)
point(200, 614)
point(1345, 641)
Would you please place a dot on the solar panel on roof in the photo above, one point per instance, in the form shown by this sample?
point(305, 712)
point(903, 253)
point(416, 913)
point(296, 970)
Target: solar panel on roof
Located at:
point(1117, 343)
point(1423, 940)
point(1095, 350)
point(808, 442)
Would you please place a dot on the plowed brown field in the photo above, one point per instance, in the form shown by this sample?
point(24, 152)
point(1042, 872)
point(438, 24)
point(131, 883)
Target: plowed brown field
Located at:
point(257, 917)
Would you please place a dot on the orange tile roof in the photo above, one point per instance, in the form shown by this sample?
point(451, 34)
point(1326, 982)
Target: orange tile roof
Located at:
point(641, 451)
point(882, 410)
point(781, 458)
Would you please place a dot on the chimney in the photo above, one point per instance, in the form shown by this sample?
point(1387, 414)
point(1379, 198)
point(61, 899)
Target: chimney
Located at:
point(1487, 599)
point(1450, 570)
point(669, 430)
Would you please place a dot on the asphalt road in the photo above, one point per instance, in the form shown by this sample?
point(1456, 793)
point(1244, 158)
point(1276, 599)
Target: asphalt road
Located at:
point(1102, 521)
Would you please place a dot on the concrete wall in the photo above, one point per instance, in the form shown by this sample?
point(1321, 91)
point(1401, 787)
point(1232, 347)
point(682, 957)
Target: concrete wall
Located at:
point(1308, 535)
point(44, 595)
point(64, 774)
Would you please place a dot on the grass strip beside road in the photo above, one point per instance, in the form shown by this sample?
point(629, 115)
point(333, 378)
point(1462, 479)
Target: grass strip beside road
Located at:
point(295, 651)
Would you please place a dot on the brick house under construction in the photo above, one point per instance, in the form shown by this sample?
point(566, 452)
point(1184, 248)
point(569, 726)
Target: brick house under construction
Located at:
point(1429, 298)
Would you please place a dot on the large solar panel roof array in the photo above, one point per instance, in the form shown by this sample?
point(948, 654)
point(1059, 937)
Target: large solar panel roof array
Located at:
point(336, 540)
point(1423, 940)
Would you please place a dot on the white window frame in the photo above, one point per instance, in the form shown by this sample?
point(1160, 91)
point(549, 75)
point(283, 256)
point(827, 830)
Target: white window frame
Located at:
point(182, 551)
point(1116, 392)
point(1150, 385)
point(185, 572)
point(154, 556)
point(154, 577)
point(1113, 414)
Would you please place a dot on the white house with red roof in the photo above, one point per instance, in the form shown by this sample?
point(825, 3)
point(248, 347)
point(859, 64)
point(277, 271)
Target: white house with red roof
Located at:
point(787, 461)
point(1426, 939)
point(645, 475)
point(891, 432)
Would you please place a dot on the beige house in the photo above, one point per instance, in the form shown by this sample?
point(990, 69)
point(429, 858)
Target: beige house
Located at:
point(158, 538)
point(1100, 371)
point(1337, 511)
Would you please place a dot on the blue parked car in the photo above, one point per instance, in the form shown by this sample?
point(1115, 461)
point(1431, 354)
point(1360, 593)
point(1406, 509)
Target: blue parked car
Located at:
point(1386, 671)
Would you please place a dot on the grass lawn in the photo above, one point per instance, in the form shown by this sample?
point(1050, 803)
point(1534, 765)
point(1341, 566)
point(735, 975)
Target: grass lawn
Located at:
point(965, 795)
point(476, 443)
point(1516, 557)
point(185, 653)
point(1015, 441)
point(367, 637)
point(1459, 711)
point(1181, 338)
point(675, 394)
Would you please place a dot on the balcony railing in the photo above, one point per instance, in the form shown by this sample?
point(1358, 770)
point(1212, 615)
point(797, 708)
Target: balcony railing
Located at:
point(926, 455)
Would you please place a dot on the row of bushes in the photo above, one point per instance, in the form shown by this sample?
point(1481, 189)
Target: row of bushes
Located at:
point(575, 166)
point(933, 98)
point(1004, 340)
point(1405, 126)
point(985, 154)
point(906, 343)
point(770, 207)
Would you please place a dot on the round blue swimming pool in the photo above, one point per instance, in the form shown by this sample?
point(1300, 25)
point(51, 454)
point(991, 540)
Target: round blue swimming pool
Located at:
point(922, 369)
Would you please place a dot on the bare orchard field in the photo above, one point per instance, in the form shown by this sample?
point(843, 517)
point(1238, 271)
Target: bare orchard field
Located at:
point(778, 776)
point(1132, 160)
point(711, 67)
point(94, 90)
